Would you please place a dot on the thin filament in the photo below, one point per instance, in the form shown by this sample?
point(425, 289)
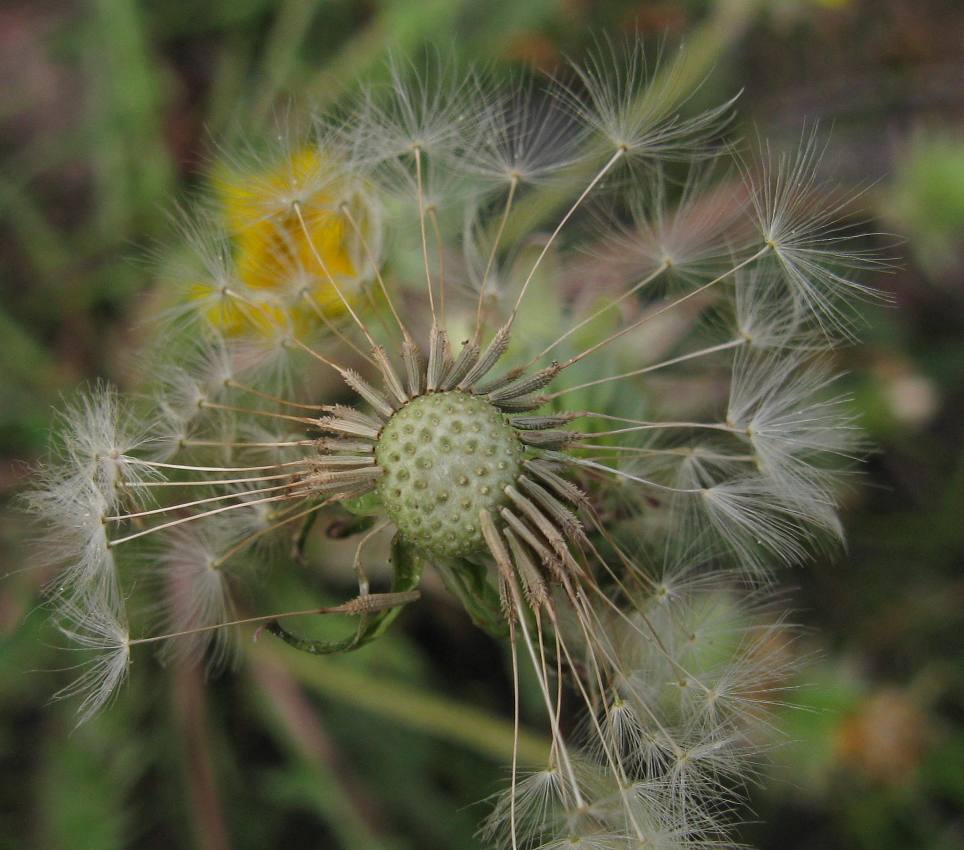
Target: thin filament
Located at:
point(495, 247)
point(421, 225)
point(378, 275)
point(331, 326)
point(185, 505)
point(269, 397)
point(649, 316)
point(609, 306)
point(189, 468)
point(327, 273)
point(703, 352)
point(182, 520)
point(620, 152)
point(433, 217)
point(543, 686)
point(257, 535)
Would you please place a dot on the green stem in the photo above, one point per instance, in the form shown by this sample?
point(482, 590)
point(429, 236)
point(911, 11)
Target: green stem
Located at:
point(441, 717)
point(333, 787)
point(280, 56)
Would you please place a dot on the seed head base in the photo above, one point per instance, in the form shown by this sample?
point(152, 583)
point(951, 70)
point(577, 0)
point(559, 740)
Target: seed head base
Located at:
point(446, 456)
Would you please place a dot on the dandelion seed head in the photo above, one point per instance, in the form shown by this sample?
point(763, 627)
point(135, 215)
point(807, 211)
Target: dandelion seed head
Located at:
point(98, 629)
point(603, 429)
point(424, 108)
point(196, 593)
point(632, 99)
point(526, 137)
point(99, 434)
point(800, 217)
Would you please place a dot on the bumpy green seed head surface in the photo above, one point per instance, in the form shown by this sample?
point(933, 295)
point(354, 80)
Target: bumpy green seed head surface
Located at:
point(446, 456)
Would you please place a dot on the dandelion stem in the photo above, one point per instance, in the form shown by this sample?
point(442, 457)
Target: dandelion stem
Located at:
point(680, 452)
point(223, 444)
point(304, 420)
point(555, 639)
point(646, 424)
point(433, 217)
point(557, 738)
point(556, 709)
point(319, 357)
point(515, 733)
point(209, 482)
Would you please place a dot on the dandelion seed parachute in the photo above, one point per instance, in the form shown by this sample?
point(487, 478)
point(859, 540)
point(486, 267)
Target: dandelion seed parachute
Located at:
point(347, 351)
point(98, 628)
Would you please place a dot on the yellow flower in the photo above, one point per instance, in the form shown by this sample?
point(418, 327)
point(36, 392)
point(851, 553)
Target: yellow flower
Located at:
point(290, 237)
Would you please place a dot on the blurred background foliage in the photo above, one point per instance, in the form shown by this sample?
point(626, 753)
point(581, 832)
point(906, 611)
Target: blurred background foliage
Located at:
point(107, 111)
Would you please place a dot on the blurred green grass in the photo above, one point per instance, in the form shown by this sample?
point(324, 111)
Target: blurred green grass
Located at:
point(109, 111)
